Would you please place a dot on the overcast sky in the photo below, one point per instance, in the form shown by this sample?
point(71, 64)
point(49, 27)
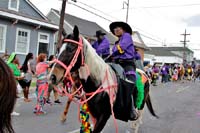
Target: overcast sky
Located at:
point(162, 20)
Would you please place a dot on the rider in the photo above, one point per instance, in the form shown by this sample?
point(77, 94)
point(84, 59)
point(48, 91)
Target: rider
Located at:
point(102, 45)
point(123, 54)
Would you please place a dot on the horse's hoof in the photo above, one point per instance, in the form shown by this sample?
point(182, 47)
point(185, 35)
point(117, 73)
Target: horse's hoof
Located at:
point(63, 119)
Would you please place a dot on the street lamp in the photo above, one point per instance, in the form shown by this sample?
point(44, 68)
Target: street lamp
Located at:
point(127, 5)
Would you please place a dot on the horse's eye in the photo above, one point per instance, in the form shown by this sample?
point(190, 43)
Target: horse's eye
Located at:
point(69, 49)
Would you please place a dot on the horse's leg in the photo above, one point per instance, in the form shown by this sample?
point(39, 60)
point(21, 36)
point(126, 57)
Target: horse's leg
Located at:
point(100, 109)
point(64, 114)
point(141, 112)
point(136, 124)
point(101, 122)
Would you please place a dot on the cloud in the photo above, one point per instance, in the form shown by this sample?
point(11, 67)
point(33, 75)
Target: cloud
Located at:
point(193, 21)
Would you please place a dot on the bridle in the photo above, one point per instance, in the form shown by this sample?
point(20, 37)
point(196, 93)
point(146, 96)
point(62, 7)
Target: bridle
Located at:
point(74, 59)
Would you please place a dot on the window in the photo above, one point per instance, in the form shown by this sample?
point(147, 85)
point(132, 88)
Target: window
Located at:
point(22, 41)
point(43, 37)
point(13, 5)
point(2, 38)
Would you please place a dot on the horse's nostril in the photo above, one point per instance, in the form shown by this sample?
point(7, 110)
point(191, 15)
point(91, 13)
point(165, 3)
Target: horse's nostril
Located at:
point(53, 79)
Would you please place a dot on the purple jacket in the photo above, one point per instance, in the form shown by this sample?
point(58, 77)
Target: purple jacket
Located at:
point(102, 48)
point(137, 56)
point(164, 70)
point(155, 69)
point(126, 44)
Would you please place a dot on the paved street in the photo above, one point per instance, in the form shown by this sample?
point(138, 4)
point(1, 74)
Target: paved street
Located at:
point(177, 105)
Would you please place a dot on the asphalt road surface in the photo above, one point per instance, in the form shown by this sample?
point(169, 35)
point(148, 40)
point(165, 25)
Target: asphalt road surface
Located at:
point(177, 105)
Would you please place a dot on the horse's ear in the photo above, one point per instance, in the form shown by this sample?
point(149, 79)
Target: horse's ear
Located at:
point(64, 33)
point(76, 33)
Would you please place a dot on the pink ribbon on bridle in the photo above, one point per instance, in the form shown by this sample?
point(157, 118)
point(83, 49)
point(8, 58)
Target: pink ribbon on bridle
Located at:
point(73, 61)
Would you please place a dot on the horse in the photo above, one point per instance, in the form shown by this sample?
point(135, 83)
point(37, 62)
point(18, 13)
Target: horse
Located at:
point(95, 75)
point(8, 95)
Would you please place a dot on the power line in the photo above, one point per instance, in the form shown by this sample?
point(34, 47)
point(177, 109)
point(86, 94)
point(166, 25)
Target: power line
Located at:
point(112, 21)
point(96, 10)
point(115, 18)
point(167, 6)
point(150, 38)
point(90, 11)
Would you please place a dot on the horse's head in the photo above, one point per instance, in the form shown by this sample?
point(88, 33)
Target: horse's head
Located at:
point(69, 52)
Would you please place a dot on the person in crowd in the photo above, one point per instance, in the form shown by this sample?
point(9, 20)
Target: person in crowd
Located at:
point(26, 69)
point(164, 73)
point(42, 83)
point(193, 65)
point(198, 72)
point(138, 60)
point(155, 74)
point(169, 72)
point(123, 54)
point(179, 72)
point(175, 74)
point(8, 96)
point(186, 71)
point(5, 56)
point(190, 72)
point(102, 45)
point(51, 87)
point(148, 71)
point(13, 63)
point(33, 64)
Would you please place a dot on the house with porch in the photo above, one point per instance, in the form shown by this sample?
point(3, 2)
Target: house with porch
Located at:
point(24, 29)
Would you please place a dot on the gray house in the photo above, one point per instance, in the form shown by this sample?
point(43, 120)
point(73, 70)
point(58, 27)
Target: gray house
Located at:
point(24, 29)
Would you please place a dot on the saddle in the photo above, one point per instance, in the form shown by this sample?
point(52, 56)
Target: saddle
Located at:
point(123, 102)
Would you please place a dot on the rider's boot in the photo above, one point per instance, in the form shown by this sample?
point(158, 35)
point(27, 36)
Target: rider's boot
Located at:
point(133, 112)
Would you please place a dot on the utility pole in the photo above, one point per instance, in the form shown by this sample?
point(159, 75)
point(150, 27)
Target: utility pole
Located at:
point(62, 17)
point(184, 45)
point(127, 11)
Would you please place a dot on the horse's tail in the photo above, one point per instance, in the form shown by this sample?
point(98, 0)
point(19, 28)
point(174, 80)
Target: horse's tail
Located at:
point(150, 107)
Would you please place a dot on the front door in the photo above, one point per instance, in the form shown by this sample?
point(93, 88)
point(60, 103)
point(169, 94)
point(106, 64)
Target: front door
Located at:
point(43, 48)
point(43, 43)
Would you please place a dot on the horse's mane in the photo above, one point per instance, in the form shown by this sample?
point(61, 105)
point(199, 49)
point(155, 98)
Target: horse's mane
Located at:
point(96, 64)
point(7, 97)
